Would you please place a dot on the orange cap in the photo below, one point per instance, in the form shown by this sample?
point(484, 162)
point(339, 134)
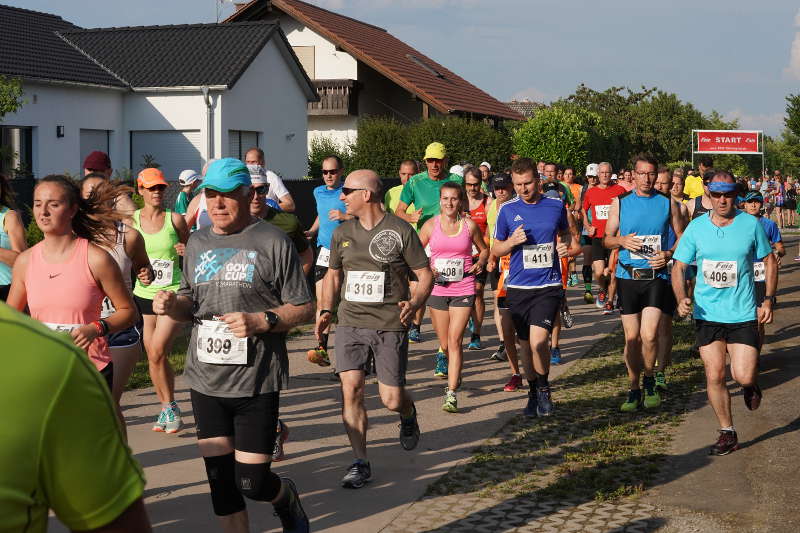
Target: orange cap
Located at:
point(150, 177)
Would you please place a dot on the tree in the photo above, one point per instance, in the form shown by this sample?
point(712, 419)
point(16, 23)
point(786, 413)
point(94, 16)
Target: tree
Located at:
point(792, 119)
point(10, 101)
point(562, 134)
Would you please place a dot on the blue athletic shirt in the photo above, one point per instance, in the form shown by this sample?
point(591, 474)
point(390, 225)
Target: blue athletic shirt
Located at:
point(327, 199)
point(644, 216)
point(742, 241)
point(771, 229)
point(542, 222)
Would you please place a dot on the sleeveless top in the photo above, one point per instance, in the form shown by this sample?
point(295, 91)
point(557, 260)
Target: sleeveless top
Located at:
point(452, 258)
point(5, 242)
point(202, 219)
point(164, 259)
point(65, 295)
point(478, 215)
point(649, 218)
point(699, 209)
point(125, 265)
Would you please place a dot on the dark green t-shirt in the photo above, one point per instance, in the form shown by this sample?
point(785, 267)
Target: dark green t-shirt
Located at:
point(388, 251)
point(290, 225)
point(423, 192)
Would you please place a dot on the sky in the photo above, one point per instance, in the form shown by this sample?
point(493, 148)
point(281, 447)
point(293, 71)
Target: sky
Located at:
point(740, 58)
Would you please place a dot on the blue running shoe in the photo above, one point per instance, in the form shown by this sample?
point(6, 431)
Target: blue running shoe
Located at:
point(440, 371)
point(544, 405)
point(555, 356)
point(413, 334)
point(474, 343)
point(530, 408)
point(470, 325)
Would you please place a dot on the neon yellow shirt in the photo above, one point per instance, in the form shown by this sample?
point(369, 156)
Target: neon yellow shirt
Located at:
point(693, 186)
point(61, 446)
point(392, 198)
point(491, 220)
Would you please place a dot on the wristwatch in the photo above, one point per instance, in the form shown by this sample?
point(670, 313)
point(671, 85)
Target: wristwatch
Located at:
point(771, 299)
point(323, 311)
point(272, 319)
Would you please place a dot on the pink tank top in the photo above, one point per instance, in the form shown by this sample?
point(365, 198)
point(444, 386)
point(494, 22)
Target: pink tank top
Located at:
point(452, 258)
point(65, 295)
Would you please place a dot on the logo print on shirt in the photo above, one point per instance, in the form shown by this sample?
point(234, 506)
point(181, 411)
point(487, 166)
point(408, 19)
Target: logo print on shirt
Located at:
point(54, 275)
point(226, 265)
point(386, 246)
point(517, 218)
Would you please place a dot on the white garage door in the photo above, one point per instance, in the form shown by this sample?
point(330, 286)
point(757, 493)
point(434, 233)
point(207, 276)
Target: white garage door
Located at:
point(173, 150)
point(92, 140)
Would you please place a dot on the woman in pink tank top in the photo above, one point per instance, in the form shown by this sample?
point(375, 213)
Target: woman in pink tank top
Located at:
point(450, 237)
point(64, 278)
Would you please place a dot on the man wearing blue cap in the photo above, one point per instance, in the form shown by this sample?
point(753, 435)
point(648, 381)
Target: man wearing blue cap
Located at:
point(243, 289)
point(725, 244)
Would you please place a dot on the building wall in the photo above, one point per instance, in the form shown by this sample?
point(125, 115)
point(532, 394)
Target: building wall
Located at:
point(47, 106)
point(269, 99)
point(328, 63)
point(341, 129)
point(380, 96)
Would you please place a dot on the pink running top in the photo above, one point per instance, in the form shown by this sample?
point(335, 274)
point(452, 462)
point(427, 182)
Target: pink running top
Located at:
point(65, 295)
point(458, 250)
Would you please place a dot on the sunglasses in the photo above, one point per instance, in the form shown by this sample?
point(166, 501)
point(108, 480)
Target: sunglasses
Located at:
point(332, 171)
point(731, 194)
point(472, 184)
point(156, 188)
point(261, 190)
point(347, 190)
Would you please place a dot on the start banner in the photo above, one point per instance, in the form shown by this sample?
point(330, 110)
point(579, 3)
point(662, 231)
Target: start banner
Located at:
point(727, 142)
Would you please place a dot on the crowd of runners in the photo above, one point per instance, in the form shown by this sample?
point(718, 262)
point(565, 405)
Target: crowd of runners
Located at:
point(231, 260)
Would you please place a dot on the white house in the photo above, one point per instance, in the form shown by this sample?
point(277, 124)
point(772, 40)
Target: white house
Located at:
point(361, 70)
point(178, 94)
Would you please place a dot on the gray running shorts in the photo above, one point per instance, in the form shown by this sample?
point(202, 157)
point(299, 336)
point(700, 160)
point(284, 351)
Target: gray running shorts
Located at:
point(355, 346)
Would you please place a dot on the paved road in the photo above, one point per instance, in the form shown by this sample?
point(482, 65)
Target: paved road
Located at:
point(318, 451)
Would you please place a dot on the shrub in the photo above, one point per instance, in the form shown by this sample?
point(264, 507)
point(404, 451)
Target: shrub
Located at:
point(32, 232)
point(381, 144)
point(323, 146)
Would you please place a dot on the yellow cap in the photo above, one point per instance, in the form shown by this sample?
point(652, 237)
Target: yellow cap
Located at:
point(435, 151)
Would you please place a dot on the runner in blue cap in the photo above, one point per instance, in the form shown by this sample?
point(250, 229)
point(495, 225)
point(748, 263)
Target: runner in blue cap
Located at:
point(725, 243)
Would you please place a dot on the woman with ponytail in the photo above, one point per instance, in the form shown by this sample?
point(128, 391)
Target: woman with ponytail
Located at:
point(63, 279)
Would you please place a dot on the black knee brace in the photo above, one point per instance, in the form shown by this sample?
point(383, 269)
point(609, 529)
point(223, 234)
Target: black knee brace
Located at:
point(225, 497)
point(257, 481)
point(587, 274)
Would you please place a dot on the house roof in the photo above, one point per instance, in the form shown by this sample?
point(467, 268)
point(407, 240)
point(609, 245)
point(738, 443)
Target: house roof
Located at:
point(420, 75)
point(174, 56)
point(525, 107)
point(32, 49)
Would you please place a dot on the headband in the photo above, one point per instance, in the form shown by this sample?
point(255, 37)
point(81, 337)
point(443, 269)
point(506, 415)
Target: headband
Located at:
point(721, 186)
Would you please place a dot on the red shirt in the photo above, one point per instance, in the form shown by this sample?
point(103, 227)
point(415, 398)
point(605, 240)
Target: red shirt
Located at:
point(598, 201)
point(478, 215)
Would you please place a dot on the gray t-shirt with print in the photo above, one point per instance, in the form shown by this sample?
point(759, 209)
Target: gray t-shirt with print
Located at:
point(251, 271)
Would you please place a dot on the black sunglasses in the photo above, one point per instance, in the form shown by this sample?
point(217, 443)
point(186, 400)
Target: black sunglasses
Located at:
point(326, 172)
point(347, 190)
point(715, 194)
point(261, 190)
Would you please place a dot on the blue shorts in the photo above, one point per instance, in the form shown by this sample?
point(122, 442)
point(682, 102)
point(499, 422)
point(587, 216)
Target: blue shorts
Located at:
point(126, 337)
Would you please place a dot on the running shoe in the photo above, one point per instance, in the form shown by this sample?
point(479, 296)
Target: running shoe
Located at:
point(661, 381)
point(290, 512)
point(566, 316)
point(174, 421)
point(531, 407)
point(752, 397)
point(280, 438)
point(440, 371)
point(357, 475)
point(319, 356)
point(161, 421)
point(499, 355)
point(601, 299)
point(652, 398)
point(514, 384)
point(409, 431)
point(450, 402)
point(573, 280)
point(544, 404)
point(588, 298)
point(797, 258)
point(475, 343)
point(555, 356)
point(413, 334)
point(727, 442)
point(633, 403)
point(608, 309)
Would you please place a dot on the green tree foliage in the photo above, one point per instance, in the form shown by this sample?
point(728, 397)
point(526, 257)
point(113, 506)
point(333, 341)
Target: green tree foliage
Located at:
point(322, 147)
point(10, 95)
point(379, 145)
point(792, 119)
point(566, 135)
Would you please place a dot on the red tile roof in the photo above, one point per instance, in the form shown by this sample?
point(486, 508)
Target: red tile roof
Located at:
point(377, 48)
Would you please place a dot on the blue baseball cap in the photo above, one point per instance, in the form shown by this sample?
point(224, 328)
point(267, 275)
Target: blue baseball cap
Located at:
point(225, 175)
point(753, 196)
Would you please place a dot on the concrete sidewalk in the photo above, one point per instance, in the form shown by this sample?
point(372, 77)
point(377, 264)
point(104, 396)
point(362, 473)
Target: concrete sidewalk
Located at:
point(318, 451)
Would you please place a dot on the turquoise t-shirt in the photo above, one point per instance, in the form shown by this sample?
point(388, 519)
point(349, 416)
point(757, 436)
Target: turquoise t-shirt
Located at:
point(327, 199)
point(724, 290)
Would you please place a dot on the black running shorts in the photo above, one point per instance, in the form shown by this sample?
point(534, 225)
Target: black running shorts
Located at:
point(736, 333)
point(635, 295)
point(534, 307)
point(251, 420)
point(599, 251)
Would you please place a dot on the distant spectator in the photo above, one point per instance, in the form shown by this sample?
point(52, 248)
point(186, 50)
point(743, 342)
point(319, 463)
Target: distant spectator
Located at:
point(188, 180)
